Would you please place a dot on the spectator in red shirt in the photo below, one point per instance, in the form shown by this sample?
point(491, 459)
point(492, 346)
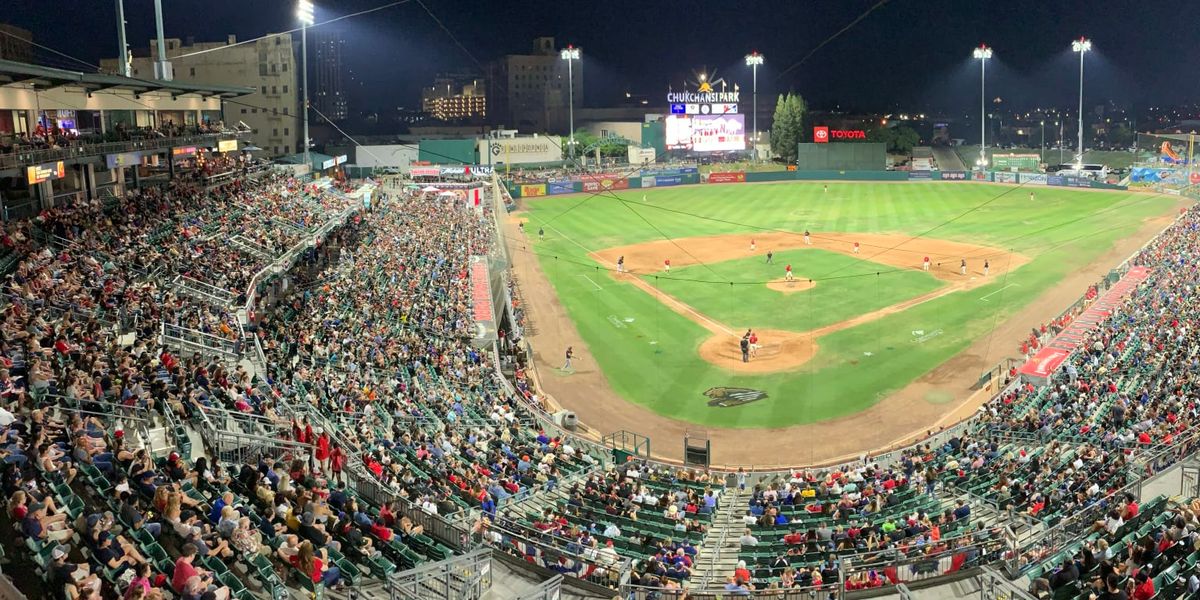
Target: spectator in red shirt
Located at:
point(188, 580)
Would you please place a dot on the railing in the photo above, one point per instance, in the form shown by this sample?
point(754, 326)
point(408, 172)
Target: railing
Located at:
point(509, 536)
point(204, 291)
point(468, 576)
point(26, 157)
point(205, 343)
point(942, 560)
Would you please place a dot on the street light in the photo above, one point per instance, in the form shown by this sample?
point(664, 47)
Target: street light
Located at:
point(753, 60)
point(1043, 152)
point(571, 54)
point(1082, 46)
point(983, 53)
point(304, 12)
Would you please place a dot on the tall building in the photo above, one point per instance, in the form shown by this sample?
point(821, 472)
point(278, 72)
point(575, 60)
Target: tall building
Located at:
point(267, 65)
point(16, 44)
point(328, 94)
point(530, 92)
point(455, 97)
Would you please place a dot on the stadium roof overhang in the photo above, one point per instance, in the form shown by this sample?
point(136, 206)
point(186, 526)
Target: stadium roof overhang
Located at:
point(48, 78)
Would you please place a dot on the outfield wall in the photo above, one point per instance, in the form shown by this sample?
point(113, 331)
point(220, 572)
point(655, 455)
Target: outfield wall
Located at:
point(600, 182)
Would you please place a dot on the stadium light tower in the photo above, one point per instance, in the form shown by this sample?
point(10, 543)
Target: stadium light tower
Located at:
point(571, 54)
point(1082, 46)
point(983, 53)
point(304, 12)
point(753, 60)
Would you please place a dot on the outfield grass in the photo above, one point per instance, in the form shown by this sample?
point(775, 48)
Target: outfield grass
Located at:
point(648, 352)
point(740, 304)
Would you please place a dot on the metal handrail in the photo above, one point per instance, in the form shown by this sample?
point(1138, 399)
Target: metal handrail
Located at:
point(20, 158)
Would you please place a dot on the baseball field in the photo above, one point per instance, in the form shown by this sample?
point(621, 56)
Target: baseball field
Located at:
point(864, 343)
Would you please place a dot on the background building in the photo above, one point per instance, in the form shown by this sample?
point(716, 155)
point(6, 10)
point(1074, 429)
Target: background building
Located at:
point(268, 65)
point(329, 93)
point(455, 97)
point(16, 44)
point(530, 91)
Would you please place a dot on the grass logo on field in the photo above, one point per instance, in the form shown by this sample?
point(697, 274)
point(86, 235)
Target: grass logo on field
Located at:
point(733, 396)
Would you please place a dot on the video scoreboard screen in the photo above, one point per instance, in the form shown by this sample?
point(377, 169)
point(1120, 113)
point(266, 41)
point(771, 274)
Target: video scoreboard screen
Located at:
point(706, 133)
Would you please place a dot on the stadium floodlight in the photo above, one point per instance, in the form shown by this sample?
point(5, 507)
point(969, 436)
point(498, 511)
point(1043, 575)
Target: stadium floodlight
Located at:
point(1082, 46)
point(570, 54)
point(753, 60)
point(305, 14)
point(983, 53)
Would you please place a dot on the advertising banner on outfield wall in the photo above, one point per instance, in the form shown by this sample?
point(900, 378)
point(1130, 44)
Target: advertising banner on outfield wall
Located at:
point(733, 177)
point(613, 182)
point(560, 187)
point(531, 190)
point(920, 174)
point(1005, 177)
point(648, 181)
point(981, 176)
point(675, 171)
point(1034, 178)
point(954, 175)
point(665, 180)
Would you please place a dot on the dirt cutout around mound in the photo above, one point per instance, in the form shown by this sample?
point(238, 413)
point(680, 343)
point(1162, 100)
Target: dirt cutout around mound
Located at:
point(983, 266)
point(791, 287)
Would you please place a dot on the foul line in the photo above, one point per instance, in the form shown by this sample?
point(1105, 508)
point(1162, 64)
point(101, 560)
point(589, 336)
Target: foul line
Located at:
point(985, 298)
point(598, 288)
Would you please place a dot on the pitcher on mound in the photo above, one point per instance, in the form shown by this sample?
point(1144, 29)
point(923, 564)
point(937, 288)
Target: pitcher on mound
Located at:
point(787, 274)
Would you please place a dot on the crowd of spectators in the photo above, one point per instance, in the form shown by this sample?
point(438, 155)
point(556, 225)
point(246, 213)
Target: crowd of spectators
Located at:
point(53, 136)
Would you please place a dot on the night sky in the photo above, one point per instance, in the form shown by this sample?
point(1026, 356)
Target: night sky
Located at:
point(904, 54)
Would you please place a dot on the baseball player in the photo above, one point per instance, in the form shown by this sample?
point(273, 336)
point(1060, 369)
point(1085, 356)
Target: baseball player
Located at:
point(753, 246)
point(856, 247)
point(827, 188)
point(925, 265)
point(521, 227)
point(807, 238)
point(770, 257)
point(753, 344)
point(667, 265)
point(621, 264)
point(787, 274)
point(541, 234)
point(962, 267)
point(1031, 196)
point(986, 267)
point(567, 365)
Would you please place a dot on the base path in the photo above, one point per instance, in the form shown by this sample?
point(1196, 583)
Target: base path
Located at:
point(798, 347)
point(899, 419)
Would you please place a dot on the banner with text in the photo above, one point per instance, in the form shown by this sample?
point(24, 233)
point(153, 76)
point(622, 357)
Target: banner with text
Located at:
point(732, 177)
point(532, 190)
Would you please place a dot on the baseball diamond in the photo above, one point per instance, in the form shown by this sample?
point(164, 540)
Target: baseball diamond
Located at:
point(836, 355)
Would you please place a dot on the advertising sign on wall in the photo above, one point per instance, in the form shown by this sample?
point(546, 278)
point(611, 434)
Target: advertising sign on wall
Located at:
point(922, 174)
point(981, 175)
point(1035, 178)
point(1005, 177)
point(522, 150)
point(665, 180)
point(183, 151)
point(425, 172)
point(649, 181)
point(735, 177)
point(954, 175)
point(560, 187)
point(46, 172)
point(614, 183)
point(227, 146)
point(532, 190)
point(124, 159)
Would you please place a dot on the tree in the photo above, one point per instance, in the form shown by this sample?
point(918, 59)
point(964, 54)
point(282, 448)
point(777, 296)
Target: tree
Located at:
point(788, 125)
point(899, 140)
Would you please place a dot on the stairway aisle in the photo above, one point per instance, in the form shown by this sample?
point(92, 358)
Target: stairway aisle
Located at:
point(718, 555)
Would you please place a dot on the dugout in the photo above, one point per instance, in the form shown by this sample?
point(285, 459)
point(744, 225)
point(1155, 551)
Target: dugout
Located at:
point(865, 156)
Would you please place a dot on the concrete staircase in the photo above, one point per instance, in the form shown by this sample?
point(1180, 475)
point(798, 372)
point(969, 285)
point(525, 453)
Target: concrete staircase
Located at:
point(718, 555)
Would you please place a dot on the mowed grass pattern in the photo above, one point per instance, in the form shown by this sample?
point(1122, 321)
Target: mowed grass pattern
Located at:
point(863, 286)
point(648, 352)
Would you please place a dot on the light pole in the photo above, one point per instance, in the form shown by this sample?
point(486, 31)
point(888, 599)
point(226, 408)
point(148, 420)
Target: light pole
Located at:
point(1082, 46)
point(304, 12)
point(571, 54)
point(753, 60)
point(983, 53)
point(1043, 152)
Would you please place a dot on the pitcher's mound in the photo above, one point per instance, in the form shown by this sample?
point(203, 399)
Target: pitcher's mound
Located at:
point(777, 351)
point(797, 285)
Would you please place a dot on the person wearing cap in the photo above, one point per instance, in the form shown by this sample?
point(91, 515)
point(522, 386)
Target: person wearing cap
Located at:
point(64, 575)
point(38, 526)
